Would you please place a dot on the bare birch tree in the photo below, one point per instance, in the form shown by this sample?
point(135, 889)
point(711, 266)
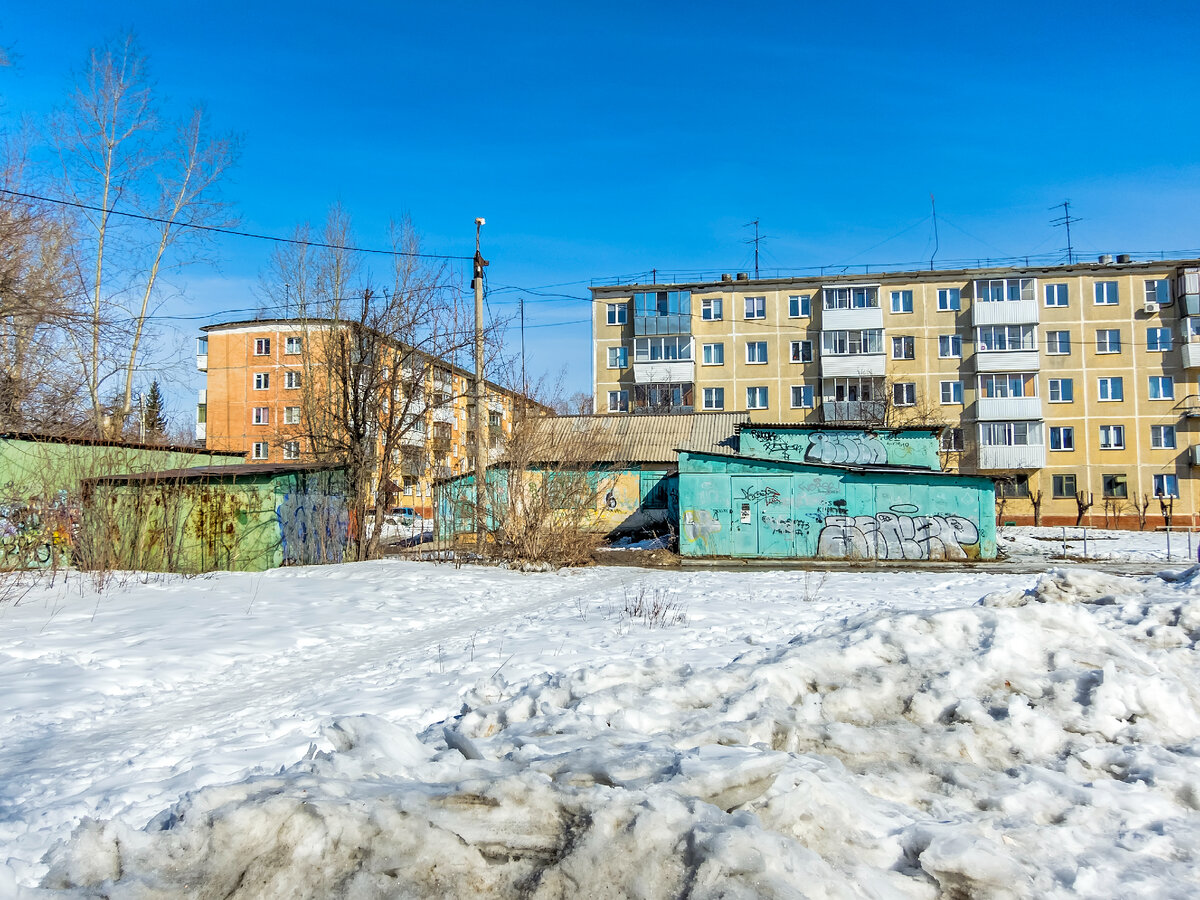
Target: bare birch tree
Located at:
point(117, 157)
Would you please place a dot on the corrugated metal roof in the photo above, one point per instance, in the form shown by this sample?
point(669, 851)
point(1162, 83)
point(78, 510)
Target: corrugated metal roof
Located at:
point(630, 438)
point(207, 473)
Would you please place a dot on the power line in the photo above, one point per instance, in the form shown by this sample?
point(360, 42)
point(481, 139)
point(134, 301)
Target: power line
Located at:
point(216, 229)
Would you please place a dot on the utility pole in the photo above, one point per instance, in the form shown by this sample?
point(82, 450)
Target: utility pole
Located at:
point(524, 383)
point(481, 422)
point(1065, 219)
point(936, 243)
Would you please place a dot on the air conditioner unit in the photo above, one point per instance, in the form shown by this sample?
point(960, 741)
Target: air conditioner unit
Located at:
point(1150, 307)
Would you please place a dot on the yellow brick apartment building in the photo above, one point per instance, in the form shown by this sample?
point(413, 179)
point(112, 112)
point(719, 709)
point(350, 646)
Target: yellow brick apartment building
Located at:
point(252, 403)
point(1073, 384)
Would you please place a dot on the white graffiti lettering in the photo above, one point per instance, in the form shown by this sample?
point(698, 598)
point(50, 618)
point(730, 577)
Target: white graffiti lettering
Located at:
point(770, 495)
point(893, 535)
point(835, 447)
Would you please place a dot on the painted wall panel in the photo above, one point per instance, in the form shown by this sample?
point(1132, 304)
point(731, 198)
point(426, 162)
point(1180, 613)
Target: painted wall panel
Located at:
point(900, 447)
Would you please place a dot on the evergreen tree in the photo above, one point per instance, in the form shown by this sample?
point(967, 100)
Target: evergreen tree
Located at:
point(156, 415)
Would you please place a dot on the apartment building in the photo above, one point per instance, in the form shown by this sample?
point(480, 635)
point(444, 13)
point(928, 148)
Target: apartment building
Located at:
point(253, 402)
point(1072, 384)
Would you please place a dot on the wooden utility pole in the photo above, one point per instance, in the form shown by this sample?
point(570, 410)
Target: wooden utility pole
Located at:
point(481, 422)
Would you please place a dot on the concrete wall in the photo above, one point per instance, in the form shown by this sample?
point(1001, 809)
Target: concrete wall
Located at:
point(737, 507)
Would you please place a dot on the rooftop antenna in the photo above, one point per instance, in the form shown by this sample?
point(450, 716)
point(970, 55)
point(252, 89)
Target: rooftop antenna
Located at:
point(936, 243)
point(754, 241)
point(1066, 219)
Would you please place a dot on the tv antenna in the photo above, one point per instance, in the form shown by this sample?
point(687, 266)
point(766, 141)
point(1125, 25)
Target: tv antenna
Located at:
point(1065, 220)
point(754, 240)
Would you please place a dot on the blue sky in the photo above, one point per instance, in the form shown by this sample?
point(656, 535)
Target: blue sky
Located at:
point(604, 140)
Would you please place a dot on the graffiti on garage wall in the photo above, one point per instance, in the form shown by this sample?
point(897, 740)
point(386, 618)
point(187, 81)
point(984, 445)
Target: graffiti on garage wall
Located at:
point(897, 534)
point(699, 524)
point(769, 495)
point(852, 448)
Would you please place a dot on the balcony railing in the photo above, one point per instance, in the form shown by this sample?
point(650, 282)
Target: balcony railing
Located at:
point(1191, 355)
point(848, 412)
point(1006, 408)
point(1005, 312)
point(856, 319)
point(202, 362)
point(1006, 361)
point(850, 364)
point(664, 371)
point(1012, 456)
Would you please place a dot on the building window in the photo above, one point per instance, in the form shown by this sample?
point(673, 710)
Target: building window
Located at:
point(1001, 386)
point(291, 449)
point(949, 299)
point(802, 396)
point(952, 392)
point(904, 393)
point(756, 398)
point(1056, 295)
point(1112, 437)
point(261, 415)
point(1108, 340)
point(756, 352)
point(291, 380)
point(1106, 293)
point(1006, 337)
point(800, 306)
point(1013, 486)
point(851, 343)
point(904, 347)
point(1158, 290)
point(1166, 486)
point(714, 398)
point(1114, 486)
point(902, 301)
point(618, 357)
point(711, 309)
point(714, 354)
point(802, 351)
point(262, 381)
point(662, 349)
point(292, 345)
point(950, 346)
point(1062, 390)
point(851, 298)
point(618, 313)
point(1010, 434)
point(618, 401)
point(996, 290)
point(291, 415)
point(1058, 343)
point(756, 307)
point(259, 450)
point(1162, 437)
point(1062, 486)
point(1162, 387)
point(1158, 340)
point(262, 346)
point(495, 419)
point(1062, 438)
point(1112, 389)
point(953, 440)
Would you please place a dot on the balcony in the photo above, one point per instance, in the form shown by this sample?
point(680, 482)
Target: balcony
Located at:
point(412, 438)
point(664, 371)
point(853, 412)
point(1004, 408)
point(444, 414)
point(851, 364)
point(1005, 312)
point(1012, 456)
point(202, 362)
point(1006, 360)
point(857, 319)
point(1191, 355)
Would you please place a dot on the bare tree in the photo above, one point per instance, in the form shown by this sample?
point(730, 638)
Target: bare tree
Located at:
point(376, 367)
point(1035, 500)
point(1082, 505)
point(37, 392)
point(118, 156)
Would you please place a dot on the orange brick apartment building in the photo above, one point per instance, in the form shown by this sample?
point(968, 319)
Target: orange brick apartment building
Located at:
point(252, 403)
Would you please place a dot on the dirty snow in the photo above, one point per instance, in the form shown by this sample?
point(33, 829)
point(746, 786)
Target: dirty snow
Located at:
point(411, 729)
point(1024, 542)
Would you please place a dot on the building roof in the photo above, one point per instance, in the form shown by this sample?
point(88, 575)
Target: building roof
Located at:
point(838, 426)
point(209, 473)
point(629, 438)
point(860, 468)
point(37, 438)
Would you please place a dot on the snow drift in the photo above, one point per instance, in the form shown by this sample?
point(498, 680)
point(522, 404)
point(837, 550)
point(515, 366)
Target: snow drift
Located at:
point(1038, 743)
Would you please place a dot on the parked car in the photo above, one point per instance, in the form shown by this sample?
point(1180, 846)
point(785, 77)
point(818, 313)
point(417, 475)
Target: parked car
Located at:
point(403, 515)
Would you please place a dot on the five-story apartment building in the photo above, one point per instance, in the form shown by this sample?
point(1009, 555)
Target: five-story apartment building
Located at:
point(1074, 384)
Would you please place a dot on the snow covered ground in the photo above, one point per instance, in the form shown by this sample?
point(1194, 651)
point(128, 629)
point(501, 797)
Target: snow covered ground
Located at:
point(1028, 542)
point(410, 729)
